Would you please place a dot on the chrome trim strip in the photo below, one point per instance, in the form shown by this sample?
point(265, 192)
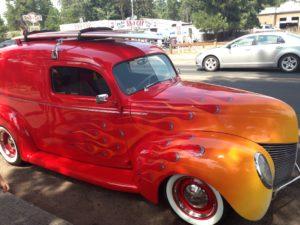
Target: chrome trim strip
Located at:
point(101, 110)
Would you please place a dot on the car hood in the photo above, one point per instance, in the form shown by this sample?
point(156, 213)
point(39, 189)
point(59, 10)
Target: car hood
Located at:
point(186, 106)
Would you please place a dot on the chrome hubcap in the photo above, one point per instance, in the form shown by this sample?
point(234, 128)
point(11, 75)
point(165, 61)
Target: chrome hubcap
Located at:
point(289, 63)
point(211, 63)
point(195, 198)
point(7, 144)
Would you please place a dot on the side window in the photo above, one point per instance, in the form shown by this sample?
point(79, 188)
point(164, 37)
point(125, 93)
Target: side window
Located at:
point(248, 41)
point(269, 39)
point(78, 81)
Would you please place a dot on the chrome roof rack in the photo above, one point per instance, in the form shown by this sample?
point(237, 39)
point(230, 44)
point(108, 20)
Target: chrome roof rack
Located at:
point(92, 29)
point(26, 33)
point(89, 33)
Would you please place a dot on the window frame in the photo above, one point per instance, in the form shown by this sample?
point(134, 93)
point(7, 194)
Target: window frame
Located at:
point(275, 35)
point(242, 38)
point(133, 58)
point(77, 96)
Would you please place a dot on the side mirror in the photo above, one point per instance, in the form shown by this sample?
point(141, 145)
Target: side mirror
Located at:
point(101, 98)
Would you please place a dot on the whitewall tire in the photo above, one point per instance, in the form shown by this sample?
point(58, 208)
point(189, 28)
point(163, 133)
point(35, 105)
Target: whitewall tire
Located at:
point(194, 201)
point(8, 147)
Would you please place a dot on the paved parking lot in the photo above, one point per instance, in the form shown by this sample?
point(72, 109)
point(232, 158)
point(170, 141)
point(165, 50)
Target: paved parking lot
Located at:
point(84, 204)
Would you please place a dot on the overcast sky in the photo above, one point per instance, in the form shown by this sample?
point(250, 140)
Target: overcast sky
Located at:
point(3, 6)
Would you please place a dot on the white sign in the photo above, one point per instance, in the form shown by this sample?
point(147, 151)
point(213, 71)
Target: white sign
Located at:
point(32, 17)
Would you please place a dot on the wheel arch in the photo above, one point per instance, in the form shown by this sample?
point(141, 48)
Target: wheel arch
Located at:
point(241, 188)
point(11, 120)
point(286, 53)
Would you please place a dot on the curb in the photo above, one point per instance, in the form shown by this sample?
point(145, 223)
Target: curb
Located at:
point(15, 211)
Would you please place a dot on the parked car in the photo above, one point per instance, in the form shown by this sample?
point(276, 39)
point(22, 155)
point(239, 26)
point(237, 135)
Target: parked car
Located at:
point(116, 114)
point(265, 28)
point(264, 50)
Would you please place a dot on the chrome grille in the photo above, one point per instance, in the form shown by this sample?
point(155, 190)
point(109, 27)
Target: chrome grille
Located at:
point(284, 157)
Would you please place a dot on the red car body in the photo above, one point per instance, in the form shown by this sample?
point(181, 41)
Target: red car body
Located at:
point(135, 142)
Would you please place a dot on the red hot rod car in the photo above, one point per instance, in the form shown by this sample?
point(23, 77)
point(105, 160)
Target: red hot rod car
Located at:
point(99, 107)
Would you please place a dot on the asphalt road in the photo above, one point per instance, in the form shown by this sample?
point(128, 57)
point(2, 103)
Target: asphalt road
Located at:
point(84, 204)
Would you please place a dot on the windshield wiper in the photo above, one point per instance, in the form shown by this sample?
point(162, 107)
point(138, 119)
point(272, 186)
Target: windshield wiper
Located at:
point(149, 85)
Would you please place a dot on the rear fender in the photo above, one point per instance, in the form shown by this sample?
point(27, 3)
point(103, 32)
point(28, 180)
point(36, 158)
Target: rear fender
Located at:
point(225, 162)
point(286, 52)
point(16, 124)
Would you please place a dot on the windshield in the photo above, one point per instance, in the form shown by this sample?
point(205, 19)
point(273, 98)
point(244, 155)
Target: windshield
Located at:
point(141, 73)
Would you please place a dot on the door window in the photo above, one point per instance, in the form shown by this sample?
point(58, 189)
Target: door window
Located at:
point(269, 39)
point(248, 41)
point(78, 81)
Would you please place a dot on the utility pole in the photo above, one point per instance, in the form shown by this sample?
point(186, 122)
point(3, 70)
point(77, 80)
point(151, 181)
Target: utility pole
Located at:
point(275, 18)
point(132, 14)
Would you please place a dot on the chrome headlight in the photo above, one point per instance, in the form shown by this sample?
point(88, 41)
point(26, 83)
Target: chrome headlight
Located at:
point(263, 170)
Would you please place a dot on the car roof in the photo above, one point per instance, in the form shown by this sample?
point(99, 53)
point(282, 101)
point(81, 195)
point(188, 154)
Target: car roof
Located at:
point(261, 33)
point(280, 33)
point(108, 52)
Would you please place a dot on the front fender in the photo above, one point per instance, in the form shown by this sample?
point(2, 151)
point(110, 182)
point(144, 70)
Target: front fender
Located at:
point(224, 161)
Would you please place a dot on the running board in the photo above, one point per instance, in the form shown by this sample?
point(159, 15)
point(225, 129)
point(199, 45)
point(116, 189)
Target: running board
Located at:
point(111, 178)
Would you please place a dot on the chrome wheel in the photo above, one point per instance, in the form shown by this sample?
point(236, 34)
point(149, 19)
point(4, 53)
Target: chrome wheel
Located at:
point(289, 63)
point(194, 201)
point(8, 147)
point(211, 63)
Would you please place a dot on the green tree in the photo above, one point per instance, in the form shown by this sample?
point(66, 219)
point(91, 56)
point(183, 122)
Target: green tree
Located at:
point(188, 8)
point(123, 8)
point(53, 20)
point(91, 10)
point(160, 9)
point(72, 10)
point(173, 7)
point(233, 14)
point(144, 8)
point(214, 23)
point(17, 8)
point(99, 10)
point(3, 29)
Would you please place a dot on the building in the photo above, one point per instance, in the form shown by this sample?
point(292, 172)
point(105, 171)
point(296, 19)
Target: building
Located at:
point(183, 32)
point(284, 16)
